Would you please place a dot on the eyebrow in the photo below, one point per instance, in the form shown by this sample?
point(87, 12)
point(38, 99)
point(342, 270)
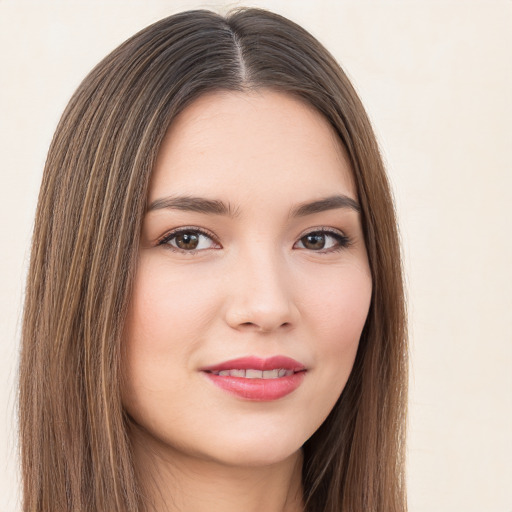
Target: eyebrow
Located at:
point(327, 203)
point(216, 207)
point(193, 204)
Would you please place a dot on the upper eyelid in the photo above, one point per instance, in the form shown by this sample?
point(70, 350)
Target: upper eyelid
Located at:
point(203, 231)
point(169, 234)
point(322, 229)
point(342, 239)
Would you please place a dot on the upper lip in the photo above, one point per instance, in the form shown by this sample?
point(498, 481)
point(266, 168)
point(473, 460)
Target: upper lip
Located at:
point(257, 363)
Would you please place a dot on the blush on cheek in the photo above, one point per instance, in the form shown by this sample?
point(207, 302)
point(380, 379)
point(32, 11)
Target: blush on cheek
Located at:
point(344, 309)
point(339, 330)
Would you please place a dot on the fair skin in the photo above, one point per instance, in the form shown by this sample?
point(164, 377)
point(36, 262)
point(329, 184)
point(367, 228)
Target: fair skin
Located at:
point(272, 264)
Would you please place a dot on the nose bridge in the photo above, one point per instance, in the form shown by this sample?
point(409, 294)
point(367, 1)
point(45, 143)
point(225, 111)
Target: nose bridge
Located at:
point(261, 296)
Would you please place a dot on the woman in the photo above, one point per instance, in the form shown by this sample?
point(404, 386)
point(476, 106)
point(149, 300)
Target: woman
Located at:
point(214, 315)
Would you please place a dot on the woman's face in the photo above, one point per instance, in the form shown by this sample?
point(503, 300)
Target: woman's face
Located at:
point(253, 282)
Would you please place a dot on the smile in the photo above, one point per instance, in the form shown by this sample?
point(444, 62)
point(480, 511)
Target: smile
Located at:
point(255, 374)
point(257, 379)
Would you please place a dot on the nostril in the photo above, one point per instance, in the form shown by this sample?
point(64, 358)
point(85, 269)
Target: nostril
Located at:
point(263, 328)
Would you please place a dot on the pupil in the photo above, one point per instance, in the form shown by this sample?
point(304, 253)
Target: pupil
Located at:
point(314, 241)
point(187, 241)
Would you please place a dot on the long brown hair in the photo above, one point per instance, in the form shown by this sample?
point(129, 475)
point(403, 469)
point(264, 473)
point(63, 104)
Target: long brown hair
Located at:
point(75, 451)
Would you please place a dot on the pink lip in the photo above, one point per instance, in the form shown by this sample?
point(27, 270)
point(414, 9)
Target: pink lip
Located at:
point(257, 363)
point(258, 389)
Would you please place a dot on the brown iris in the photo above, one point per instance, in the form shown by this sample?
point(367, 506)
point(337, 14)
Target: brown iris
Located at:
point(187, 240)
point(313, 241)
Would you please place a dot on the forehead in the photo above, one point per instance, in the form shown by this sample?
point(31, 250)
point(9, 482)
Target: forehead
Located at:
point(254, 142)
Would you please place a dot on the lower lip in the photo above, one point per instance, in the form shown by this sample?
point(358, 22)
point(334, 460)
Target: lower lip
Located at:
point(262, 390)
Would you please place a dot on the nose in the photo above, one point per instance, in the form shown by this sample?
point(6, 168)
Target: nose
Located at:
point(261, 295)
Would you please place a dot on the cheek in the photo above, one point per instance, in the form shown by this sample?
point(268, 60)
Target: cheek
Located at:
point(339, 305)
point(343, 315)
point(337, 315)
point(166, 321)
point(168, 307)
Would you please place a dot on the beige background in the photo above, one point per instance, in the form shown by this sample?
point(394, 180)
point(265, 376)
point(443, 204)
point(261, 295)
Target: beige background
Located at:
point(436, 78)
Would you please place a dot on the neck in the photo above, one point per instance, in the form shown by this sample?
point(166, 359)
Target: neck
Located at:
point(174, 482)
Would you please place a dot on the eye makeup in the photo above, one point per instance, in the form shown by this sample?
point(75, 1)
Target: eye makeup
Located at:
point(193, 239)
point(189, 239)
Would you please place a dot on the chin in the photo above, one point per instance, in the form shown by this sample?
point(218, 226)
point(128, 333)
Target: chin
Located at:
point(261, 446)
point(257, 455)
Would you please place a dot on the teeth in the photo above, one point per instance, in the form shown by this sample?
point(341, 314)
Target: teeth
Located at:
point(255, 374)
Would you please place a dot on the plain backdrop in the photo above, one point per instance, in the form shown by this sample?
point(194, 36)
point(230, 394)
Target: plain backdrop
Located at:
point(436, 78)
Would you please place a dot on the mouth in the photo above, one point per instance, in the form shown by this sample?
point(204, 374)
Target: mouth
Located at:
point(250, 373)
point(257, 379)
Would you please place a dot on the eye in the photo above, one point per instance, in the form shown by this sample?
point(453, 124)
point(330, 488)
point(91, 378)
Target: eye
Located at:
point(189, 240)
point(323, 240)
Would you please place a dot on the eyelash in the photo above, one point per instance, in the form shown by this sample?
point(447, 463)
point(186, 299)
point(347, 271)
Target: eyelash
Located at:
point(342, 241)
point(193, 230)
